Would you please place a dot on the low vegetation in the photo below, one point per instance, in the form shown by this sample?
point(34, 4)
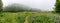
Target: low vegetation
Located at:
point(33, 17)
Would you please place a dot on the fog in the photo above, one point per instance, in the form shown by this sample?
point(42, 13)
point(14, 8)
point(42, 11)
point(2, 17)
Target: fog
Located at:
point(45, 5)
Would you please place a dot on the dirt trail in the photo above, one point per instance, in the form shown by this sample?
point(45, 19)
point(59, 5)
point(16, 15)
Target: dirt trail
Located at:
point(26, 19)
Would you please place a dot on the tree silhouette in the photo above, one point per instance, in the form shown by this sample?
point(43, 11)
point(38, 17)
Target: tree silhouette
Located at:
point(1, 5)
point(1, 8)
point(57, 9)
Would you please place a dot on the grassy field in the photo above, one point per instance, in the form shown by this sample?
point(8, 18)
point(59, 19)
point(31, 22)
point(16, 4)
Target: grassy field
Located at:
point(29, 17)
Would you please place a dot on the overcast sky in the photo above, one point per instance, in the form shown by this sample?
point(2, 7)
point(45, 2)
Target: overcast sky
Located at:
point(40, 4)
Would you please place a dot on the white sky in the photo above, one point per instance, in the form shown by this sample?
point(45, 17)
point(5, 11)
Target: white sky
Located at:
point(46, 5)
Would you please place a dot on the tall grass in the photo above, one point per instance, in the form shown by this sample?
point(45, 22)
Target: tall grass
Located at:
point(19, 17)
point(13, 17)
point(45, 18)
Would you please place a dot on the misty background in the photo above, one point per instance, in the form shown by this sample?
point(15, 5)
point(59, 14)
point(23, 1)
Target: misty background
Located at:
point(44, 5)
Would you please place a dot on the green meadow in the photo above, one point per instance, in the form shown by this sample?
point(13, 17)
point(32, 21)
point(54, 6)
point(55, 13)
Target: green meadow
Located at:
point(29, 17)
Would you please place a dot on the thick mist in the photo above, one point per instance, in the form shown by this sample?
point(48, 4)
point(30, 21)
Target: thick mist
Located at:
point(45, 5)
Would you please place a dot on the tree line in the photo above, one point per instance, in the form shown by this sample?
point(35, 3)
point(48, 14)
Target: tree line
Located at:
point(19, 8)
point(13, 7)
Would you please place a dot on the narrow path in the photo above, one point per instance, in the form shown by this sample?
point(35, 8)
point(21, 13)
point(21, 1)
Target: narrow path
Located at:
point(26, 19)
